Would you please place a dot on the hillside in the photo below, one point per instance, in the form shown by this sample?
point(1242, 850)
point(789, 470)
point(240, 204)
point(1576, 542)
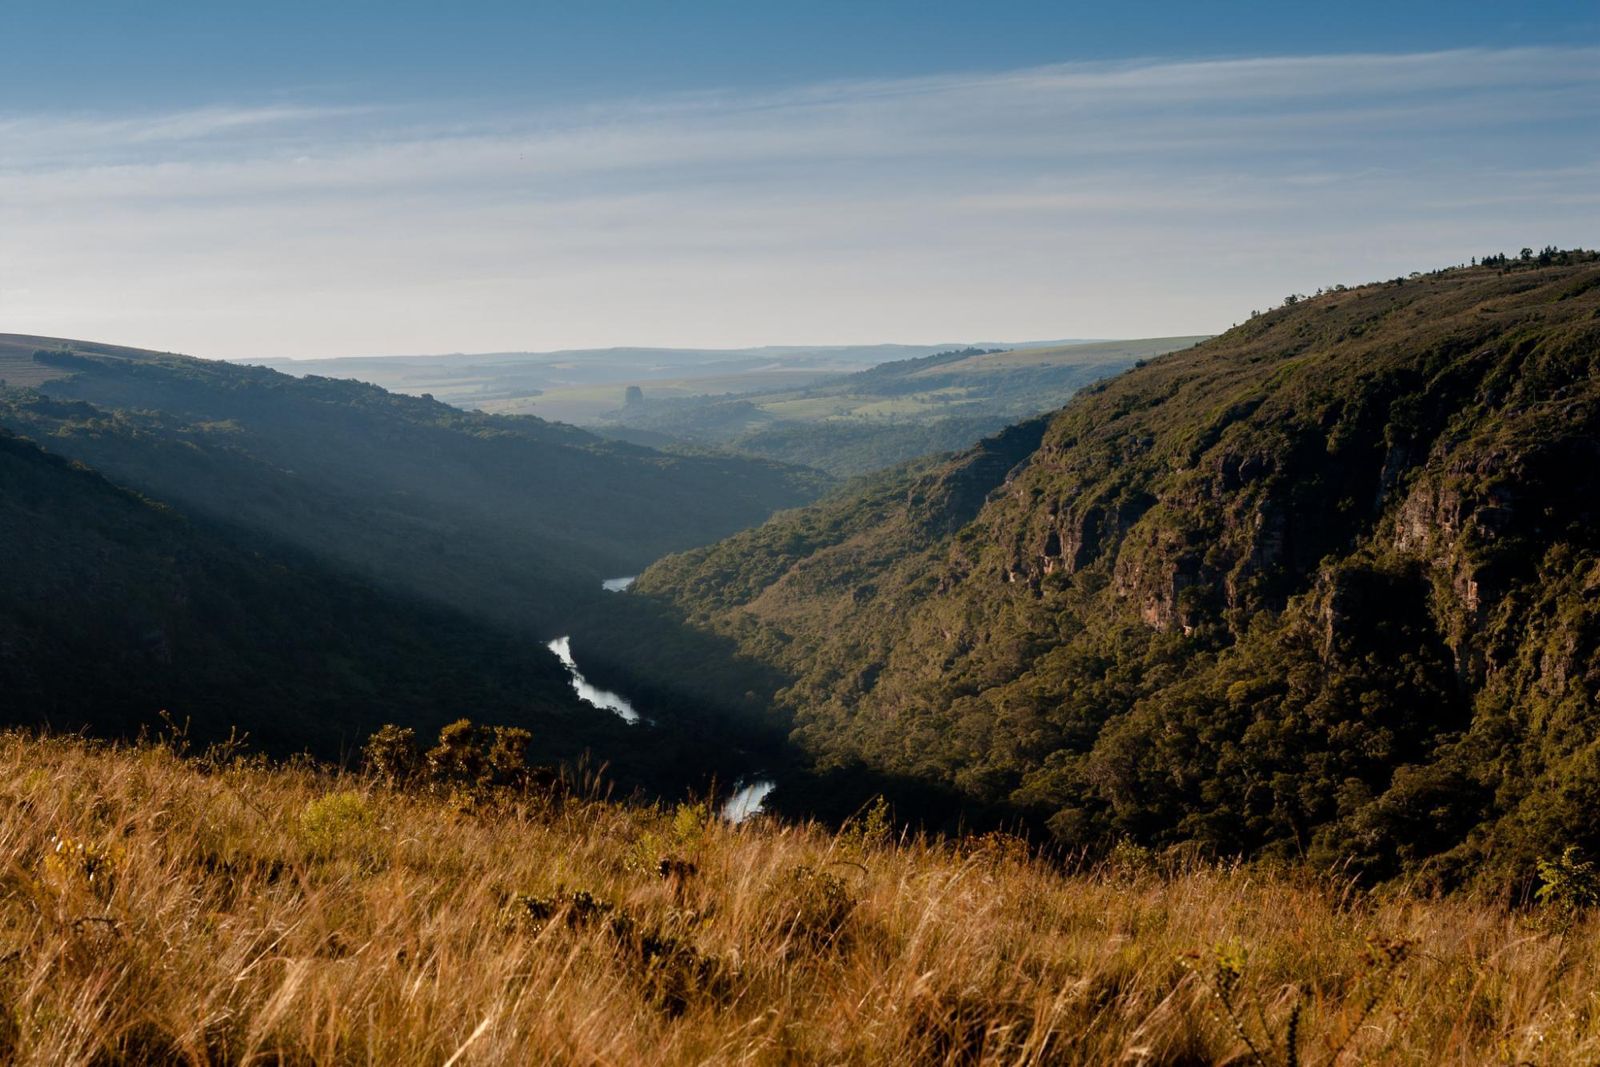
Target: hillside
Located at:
point(888, 414)
point(1322, 587)
point(164, 910)
point(113, 608)
point(120, 616)
point(508, 518)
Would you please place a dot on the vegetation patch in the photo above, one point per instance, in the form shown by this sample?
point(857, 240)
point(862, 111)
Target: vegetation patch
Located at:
point(1321, 588)
point(197, 925)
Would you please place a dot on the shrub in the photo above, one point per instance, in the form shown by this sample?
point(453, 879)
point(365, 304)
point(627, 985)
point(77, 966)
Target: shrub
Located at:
point(340, 823)
point(669, 969)
point(467, 759)
point(459, 757)
point(532, 912)
point(1568, 885)
point(669, 853)
point(1129, 859)
point(393, 754)
point(872, 828)
point(812, 906)
point(478, 757)
point(673, 972)
point(995, 849)
point(506, 761)
point(689, 825)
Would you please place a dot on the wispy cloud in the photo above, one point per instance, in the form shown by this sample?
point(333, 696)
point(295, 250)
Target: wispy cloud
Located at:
point(1141, 197)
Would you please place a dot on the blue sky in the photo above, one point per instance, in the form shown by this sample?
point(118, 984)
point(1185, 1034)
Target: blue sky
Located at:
point(114, 53)
point(296, 179)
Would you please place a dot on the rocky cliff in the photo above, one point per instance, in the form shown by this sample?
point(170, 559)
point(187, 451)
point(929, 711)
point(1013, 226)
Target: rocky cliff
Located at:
point(1324, 585)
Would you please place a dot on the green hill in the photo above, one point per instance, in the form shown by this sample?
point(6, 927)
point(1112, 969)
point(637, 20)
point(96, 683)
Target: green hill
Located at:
point(1325, 586)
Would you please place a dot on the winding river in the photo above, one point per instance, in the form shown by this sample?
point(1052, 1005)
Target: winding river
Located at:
point(747, 793)
point(603, 699)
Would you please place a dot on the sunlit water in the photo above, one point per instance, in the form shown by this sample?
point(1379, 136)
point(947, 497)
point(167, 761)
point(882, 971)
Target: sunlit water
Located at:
point(747, 796)
point(600, 698)
point(746, 799)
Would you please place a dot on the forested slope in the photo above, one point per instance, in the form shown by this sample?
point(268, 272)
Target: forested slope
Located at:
point(1326, 586)
point(113, 608)
point(509, 518)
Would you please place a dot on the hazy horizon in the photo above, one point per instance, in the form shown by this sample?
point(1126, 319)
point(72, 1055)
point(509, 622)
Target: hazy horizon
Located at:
point(775, 346)
point(1045, 177)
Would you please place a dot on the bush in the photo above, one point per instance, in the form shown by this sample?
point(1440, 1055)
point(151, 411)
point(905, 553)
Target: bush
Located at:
point(393, 754)
point(1568, 885)
point(467, 757)
point(670, 854)
point(872, 828)
point(813, 906)
point(479, 756)
point(531, 912)
point(341, 823)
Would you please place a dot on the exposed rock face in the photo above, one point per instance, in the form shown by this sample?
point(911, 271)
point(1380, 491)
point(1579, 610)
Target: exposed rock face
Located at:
point(1479, 508)
point(947, 500)
point(1153, 569)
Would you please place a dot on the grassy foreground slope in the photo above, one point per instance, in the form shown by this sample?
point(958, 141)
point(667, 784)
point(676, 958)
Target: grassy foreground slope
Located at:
point(1324, 586)
point(163, 910)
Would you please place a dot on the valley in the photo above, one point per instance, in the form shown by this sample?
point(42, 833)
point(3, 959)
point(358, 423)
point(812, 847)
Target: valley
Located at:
point(986, 636)
point(437, 554)
point(1299, 612)
point(832, 409)
point(799, 535)
point(586, 386)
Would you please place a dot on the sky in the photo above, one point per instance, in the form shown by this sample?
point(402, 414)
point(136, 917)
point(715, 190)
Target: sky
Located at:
point(308, 180)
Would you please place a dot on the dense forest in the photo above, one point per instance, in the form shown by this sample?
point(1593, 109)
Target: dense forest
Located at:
point(1325, 587)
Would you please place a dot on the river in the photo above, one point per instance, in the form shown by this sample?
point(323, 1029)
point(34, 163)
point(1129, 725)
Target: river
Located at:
point(746, 799)
point(603, 699)
point(748, 794)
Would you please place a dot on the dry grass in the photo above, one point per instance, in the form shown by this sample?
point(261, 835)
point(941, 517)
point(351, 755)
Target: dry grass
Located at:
point(158, 910)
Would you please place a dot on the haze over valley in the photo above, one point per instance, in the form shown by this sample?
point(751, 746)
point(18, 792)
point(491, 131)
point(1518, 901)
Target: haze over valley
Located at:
point(1193, 659)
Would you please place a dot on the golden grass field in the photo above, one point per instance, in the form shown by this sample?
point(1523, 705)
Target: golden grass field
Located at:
point(216, 910)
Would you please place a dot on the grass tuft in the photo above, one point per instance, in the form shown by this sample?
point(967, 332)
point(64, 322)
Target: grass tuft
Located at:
point(157, 907)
